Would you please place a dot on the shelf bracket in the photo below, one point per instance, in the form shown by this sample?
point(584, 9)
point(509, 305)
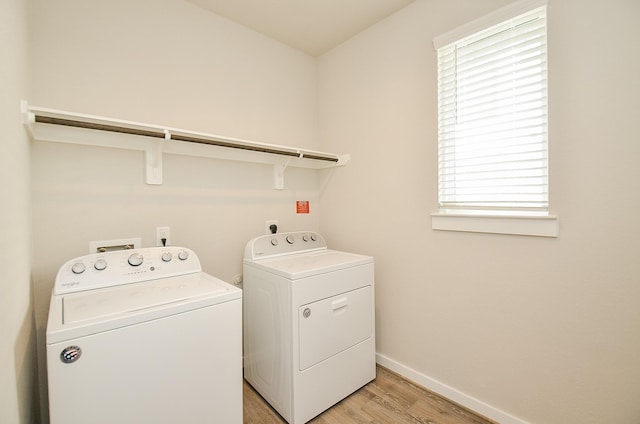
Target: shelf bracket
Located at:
point(278, 175)
point(153, 159)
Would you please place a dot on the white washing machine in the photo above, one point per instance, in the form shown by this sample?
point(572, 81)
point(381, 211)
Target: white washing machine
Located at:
point(143, 336)
point(309, 337)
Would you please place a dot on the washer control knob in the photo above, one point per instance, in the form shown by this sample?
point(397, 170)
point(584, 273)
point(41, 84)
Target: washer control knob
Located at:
point(290, 239)
point(167, 256)
point(100, 264)
point(78, 268)
point(305, 237)
point(274, 242)
point(183, 255)
point(313, 237)
point(135, 259)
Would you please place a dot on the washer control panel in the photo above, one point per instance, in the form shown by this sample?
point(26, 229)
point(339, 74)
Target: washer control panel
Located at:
point(283, 244)
point(119, 267)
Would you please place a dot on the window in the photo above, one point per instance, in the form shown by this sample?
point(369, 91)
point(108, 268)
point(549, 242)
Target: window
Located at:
point(492, 116)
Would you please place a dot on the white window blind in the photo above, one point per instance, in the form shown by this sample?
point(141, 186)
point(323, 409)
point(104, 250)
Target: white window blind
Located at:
point(492, 118)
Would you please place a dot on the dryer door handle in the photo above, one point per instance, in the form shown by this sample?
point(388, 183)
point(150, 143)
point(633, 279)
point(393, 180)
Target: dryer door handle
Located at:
point(339, 303)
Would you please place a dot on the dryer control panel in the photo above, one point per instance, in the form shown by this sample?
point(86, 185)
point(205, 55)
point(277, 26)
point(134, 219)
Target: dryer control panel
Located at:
point(124, 267)
point(283, 244)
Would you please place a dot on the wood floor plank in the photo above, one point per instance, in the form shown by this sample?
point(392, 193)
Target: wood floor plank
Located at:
point(389, 399)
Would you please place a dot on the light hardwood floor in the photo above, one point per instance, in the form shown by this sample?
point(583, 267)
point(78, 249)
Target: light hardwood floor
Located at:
point(389, 399)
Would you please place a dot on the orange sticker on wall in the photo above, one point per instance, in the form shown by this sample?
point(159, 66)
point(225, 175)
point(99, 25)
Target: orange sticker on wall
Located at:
point(302, 206)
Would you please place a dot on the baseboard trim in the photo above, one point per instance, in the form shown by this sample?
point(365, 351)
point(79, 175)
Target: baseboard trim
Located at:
point(449, 392)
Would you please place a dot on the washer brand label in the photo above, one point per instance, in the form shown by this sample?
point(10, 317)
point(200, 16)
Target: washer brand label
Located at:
point(70, 354)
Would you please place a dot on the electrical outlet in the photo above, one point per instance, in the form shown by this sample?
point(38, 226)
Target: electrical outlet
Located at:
point(163, 233)
point(268, 224)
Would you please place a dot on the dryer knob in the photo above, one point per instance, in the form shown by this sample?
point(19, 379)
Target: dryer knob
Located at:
point(136, 259)
point(313, 237)
point(100, 264)
point(183, 255)
point(305, 237)
point(274, 242)
point(78, 268)
point(290, 239)
point(167, 256)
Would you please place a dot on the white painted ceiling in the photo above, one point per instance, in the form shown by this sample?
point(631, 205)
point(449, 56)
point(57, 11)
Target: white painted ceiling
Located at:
point(312, 26)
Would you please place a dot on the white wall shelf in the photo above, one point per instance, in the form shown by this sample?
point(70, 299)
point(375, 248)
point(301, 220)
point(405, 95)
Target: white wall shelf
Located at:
point(67, 127)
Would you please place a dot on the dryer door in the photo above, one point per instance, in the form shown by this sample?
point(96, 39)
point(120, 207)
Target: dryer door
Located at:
point(330, 326)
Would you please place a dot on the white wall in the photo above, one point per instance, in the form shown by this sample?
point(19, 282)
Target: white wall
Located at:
point(170, 63)
point(17, 349)
point(528, 329)
point(544, 330)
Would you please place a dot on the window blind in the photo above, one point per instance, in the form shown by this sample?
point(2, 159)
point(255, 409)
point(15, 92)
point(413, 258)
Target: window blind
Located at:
point(492, 117)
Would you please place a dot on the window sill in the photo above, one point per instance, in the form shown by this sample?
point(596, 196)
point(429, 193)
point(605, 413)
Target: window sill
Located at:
point(540, 226)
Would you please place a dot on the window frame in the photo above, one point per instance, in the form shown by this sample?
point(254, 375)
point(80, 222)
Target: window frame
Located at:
point(517, 222)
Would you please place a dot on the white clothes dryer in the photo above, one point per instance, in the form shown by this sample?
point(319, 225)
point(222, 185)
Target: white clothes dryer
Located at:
point(309, 336)
point(143, 336)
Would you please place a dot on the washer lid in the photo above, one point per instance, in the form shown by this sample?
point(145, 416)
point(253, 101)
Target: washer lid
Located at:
point(89, 312)
point(312, 263)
